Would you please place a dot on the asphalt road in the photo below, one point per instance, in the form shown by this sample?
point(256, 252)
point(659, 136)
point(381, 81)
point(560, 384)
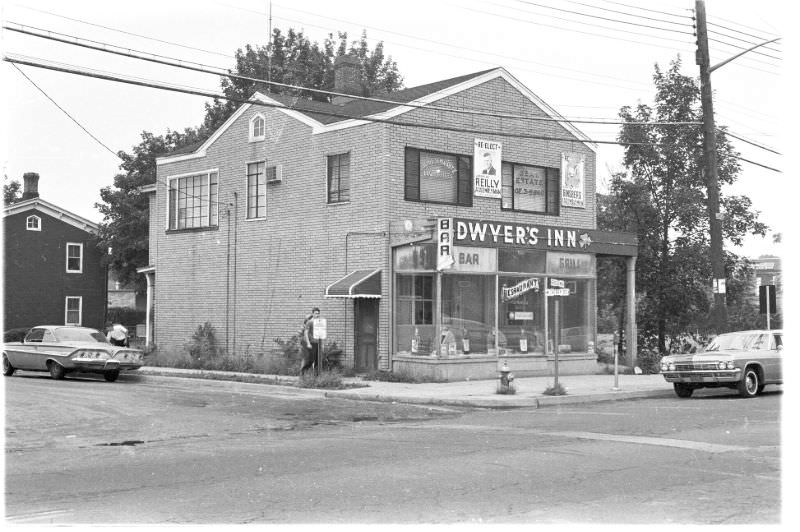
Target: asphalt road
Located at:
point(166, 450)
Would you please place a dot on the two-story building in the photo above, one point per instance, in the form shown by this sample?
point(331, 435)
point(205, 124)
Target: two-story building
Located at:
point(440, 229)
point(53, 270)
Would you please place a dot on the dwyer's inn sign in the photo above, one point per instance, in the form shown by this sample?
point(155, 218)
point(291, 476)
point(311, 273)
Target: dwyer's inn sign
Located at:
point(483, 233)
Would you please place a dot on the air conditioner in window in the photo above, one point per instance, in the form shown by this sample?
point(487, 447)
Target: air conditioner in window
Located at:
point(275, 174)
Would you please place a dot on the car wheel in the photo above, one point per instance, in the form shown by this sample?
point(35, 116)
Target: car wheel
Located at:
point(682, 390)
point(8, 369)
point(760, 388)
point(748, 386)
point(111, 376)
point(57, 371)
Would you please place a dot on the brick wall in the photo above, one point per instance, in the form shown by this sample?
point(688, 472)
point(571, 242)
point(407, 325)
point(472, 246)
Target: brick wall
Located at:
point(255, 280)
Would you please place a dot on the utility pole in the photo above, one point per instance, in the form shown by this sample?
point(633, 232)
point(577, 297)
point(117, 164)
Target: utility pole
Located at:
point(719, 311)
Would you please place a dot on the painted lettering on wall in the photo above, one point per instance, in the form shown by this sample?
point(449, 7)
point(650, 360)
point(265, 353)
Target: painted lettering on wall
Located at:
point(469, 232)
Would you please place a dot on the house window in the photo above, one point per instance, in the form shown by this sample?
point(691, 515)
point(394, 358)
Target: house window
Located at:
point(257, 125)
point(193, 201)
point(74, 258)
point(530, 188)
point(438, 177)
point(339, 178)
point(415, 299)
point(256, 190)
point(73, 310)
point(33, 223)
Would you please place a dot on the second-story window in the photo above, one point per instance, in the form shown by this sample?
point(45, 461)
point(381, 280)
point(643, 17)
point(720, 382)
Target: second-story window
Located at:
point(193, 201)
point(339, 178)
point(438, 177)
point(530, 188)
point(256, 190)
point(33, 223)
point(257, 127)
point(74, 258)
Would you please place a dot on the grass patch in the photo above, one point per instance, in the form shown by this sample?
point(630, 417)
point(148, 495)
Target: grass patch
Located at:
point(388, 376)
point(325, 379)
point(557, 389)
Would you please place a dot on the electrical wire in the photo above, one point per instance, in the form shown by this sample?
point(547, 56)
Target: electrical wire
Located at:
point(626, 13)
point(169, 61)
point(646, 9)
point(100, 142)
point(603, 18)
point(765, 148)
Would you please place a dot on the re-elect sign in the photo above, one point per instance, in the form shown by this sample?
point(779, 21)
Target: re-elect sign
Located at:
point(487, 167)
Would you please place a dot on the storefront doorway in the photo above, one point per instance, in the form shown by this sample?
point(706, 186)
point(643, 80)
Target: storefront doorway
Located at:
point(366, 334)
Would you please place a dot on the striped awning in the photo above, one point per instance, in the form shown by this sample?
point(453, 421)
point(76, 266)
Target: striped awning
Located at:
point(360, 283)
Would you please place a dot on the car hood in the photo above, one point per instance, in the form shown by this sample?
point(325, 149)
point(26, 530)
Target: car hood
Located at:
point(700, 357)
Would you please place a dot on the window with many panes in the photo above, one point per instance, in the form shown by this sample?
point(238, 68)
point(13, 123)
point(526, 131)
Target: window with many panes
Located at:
point(530, 188)
point(193, 201)
point(256, 190)
point(74, 257)
point(33, 223)
point(415, 299)
point(438, 177)
point(73, 310)
point(339, 178)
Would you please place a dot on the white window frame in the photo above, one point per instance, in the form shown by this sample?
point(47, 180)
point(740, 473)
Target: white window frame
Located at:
point(80, 257)
point(252, 126)
point(37, 226)
point(67, 311)
point(247, 189)
point(212, 205)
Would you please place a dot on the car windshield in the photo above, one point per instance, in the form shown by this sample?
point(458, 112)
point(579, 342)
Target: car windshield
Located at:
point(69, 334)
point(733, 342)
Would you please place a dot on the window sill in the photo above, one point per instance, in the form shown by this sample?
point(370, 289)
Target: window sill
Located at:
point(257, 139)
point(193, 230)
point(337, 203)
point(262, 219)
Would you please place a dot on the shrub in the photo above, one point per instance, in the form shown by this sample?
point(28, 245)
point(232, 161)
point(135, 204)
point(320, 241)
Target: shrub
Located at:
point(325, 379)
point(400, 376)
point(556, 389)
point(649, 361)
point(203, 345)
point(125, 315)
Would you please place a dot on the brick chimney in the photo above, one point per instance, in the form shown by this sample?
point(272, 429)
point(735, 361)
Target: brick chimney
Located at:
point(30, 187)
point(346, 78)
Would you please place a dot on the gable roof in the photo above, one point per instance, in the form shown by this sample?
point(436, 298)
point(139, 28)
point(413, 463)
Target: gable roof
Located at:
point(38, 204)
point(323, 117)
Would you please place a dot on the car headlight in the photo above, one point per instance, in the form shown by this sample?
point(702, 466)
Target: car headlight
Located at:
point(722, 365)
point(664, 366)
point(731, 365)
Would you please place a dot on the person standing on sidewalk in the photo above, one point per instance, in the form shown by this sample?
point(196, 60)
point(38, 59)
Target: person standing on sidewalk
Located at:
point(309, 342)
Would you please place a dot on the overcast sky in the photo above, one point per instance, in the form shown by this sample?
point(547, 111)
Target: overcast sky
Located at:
point(585, 58)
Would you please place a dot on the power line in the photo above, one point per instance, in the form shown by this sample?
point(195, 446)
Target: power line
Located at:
point(728, 133)
point(626, 13)
point(751, 43)
point(646, 9)
point(65, 112)
point(296, 107)
point(125, 32)
point(603, 18)
point(170, 61)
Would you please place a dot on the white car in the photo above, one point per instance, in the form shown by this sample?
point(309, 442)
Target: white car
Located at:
point(62, 349)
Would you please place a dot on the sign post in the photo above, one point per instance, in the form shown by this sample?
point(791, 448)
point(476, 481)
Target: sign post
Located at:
point(320, 334)
point(766, 301)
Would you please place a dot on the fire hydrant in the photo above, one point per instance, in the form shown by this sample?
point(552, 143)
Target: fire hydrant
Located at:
point(506, 384)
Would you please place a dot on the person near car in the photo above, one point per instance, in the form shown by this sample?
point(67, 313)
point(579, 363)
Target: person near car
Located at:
point(309, 343)
point(118, 335)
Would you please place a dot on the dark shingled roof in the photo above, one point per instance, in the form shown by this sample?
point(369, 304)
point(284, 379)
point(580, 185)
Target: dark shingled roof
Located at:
point(328, 113)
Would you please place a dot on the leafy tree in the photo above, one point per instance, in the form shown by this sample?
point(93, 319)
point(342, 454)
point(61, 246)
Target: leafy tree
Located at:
point(11, 192)
point(663, 198)
point(295, 61)
point(125, 210)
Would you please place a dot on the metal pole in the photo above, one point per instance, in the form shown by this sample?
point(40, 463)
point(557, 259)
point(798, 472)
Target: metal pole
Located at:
point(556, 336)
point(719, 311)
point(768, 310)
point(616, 363)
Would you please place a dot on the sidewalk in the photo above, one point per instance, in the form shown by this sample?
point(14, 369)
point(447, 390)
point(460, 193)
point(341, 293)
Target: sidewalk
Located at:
point(480, 393)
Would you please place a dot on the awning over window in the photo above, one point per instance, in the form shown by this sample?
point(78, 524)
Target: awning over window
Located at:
point(360, 283)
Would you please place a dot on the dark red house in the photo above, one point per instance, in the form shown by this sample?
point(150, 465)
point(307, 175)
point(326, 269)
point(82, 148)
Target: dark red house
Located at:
point(53, 269)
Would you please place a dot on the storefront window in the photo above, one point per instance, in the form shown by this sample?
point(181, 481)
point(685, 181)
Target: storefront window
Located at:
point(521, 303)
point(414, 313)
point(467, 314)
point(570, 316)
